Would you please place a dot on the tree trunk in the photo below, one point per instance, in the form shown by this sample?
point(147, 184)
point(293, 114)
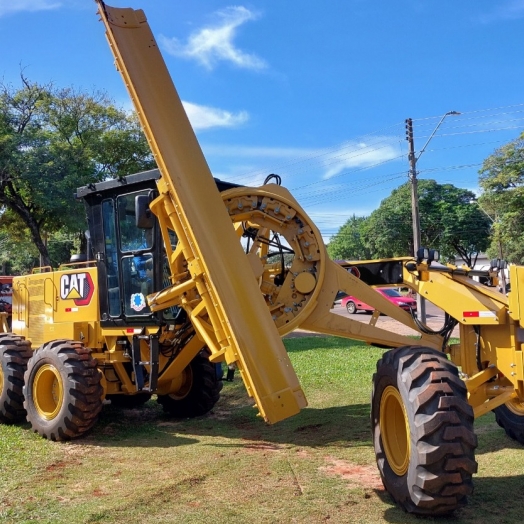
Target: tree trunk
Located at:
point(16, 204)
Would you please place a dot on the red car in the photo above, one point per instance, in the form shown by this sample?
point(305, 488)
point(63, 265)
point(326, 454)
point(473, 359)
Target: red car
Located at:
point(353, 304)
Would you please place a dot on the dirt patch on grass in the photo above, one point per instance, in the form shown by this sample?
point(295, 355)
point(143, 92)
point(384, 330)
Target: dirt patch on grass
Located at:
point(364, 476)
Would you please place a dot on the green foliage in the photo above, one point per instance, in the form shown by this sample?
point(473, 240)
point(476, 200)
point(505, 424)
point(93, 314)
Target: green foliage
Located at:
point(53, 141)
point(502, 179)
point(388, 231)
point(347, 244)
point(18, 254)
point(450, 219)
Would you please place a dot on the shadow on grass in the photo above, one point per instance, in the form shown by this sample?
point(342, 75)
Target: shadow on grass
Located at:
point(345, 426)
point(494, 500)
point(235, 418)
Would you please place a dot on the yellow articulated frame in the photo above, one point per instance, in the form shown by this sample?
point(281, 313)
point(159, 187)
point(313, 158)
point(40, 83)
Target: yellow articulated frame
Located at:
point(470, 302)
point(305, 298)
point(190, 204)
point(487, 391)
point(490, 350)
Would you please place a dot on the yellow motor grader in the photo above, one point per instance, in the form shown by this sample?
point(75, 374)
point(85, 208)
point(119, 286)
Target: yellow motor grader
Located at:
point(184, 272)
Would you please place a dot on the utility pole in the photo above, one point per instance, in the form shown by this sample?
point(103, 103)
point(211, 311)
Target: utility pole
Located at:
point(421, 303)
point(413, 159)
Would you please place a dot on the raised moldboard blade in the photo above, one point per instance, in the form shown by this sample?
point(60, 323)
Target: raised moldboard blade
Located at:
point(237, 321)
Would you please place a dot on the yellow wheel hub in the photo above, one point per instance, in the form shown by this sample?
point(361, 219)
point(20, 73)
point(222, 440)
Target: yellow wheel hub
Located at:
point(394, 429)
point(1, 379)
point(182, 384)
point(48, 391)
point(516, 406)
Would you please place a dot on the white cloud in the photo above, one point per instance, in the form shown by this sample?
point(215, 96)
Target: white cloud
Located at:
point(205, 117)
point(13, 6)
point(353, 155)
point(309, 168)
point(202, 117)
point(214, 43)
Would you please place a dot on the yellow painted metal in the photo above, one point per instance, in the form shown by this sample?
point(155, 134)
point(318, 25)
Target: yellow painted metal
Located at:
point(190, 205)
point(171, 373)
point(516, 297)
point(493, 403)
point(476, 381)
point(181, 386)
point(394, 430)
point(322, 320)
point(458, 295)
point(4, 326)
point(272, 209)
point(489, 389)
point(126, 384)
point(1, 378)
point(58, 304)
point(306, 296)
point(48, 391)
point(74, 295)
point(516, 406)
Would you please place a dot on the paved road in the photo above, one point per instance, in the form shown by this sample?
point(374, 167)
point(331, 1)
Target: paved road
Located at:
point(434, 316)
point(434, 319)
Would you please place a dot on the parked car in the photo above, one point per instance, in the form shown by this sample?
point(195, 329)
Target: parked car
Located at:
point(353, 304)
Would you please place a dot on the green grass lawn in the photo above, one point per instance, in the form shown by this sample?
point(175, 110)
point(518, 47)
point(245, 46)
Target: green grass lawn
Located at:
point(319, 466)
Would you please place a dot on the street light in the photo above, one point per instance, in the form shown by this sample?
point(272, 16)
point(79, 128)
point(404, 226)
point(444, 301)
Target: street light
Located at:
point(413, 159)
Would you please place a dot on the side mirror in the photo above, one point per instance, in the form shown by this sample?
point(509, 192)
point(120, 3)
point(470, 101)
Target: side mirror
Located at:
point(144, 218)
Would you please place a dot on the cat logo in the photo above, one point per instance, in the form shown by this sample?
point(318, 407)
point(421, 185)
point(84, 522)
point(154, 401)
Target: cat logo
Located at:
point(78, 287)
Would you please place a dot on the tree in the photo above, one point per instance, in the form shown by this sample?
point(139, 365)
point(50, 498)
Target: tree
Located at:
point(388, 232)
point(53, 141)
point(450, 219)
point(502, 179)
point(347, 244)
point(18, 255)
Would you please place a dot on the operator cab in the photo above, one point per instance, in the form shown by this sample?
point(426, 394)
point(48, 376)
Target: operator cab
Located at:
point(129, 256)
point(126, 242)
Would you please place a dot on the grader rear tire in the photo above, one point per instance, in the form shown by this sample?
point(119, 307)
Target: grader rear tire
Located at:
point(198, 390)
point(423, 431)
point(63, 394)
point(14, 354)
point(510, 417)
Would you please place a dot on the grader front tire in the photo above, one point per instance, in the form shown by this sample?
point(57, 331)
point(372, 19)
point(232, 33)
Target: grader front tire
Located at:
point(63, 394)
point(14, 355)
point(423, 431)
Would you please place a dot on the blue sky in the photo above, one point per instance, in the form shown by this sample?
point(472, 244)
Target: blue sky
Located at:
point(316, 91)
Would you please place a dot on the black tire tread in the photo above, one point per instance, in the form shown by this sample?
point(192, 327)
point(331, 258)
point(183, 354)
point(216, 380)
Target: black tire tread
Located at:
point(511, 423)
point(15, 352)
point(84, 391)
point(441, 424)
